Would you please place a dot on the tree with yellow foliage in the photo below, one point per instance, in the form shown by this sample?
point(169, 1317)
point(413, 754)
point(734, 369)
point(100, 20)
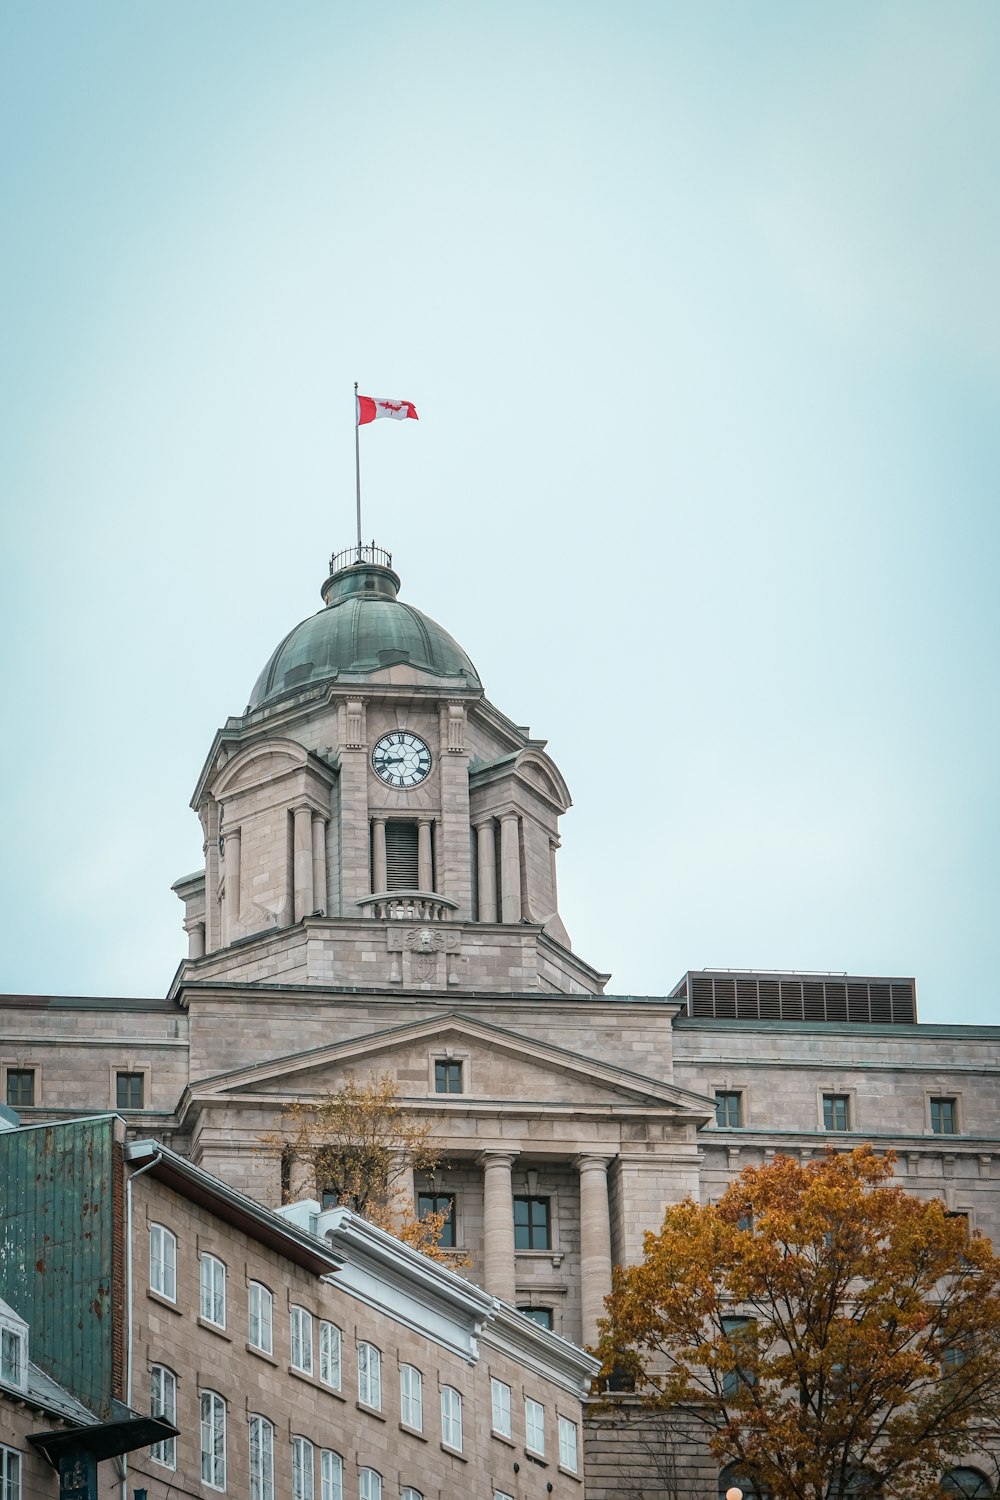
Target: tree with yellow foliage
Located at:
point(359, 1149)
point(835, 1335)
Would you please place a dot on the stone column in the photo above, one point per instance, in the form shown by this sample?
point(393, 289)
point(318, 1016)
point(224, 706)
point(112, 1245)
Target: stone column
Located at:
point(379, 871)
point(196, 940)
point(595, 1241)
point(510, 869)
point(425, 859)
point(303, 862)
point(232, 861)
point(498, 1223)
point(319, 862)
point(486, 853)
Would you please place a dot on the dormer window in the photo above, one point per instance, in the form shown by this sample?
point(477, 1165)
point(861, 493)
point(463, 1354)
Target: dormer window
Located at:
point(14, 1353)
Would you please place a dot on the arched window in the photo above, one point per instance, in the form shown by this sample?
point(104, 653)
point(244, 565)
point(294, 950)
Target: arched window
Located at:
point(966, 1484)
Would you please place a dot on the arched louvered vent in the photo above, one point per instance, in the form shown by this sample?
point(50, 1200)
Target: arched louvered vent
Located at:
point(401, 859)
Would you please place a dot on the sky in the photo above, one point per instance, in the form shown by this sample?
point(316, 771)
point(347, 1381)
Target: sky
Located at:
point(698, 306)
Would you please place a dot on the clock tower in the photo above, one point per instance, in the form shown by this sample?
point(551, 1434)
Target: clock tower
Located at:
point(372, 820)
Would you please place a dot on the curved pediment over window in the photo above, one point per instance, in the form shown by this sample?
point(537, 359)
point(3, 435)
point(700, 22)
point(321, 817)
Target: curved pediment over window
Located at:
point(264, 762)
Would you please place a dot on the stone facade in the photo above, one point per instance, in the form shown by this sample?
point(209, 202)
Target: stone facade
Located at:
point(356, 1357)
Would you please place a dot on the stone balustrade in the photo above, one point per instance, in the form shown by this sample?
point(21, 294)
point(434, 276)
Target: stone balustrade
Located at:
point(407, 906)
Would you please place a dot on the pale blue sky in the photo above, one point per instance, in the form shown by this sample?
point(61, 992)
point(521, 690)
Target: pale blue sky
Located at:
point(698, 306)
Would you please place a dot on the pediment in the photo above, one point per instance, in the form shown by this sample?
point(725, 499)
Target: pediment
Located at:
point(500, 1067)
point(261, 763)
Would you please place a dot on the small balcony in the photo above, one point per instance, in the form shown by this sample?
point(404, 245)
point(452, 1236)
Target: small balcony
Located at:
point(407, 906)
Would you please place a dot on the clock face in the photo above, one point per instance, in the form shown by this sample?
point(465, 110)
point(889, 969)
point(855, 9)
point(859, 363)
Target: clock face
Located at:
point(401, 759)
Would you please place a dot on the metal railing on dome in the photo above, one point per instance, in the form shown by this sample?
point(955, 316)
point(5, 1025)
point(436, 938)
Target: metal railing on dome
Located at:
point(366, 552)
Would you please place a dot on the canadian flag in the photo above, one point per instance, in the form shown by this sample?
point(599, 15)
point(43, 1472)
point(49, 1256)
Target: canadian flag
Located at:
point(370, 407)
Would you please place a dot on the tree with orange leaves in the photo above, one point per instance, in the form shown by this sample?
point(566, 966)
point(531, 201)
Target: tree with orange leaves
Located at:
point(835, 1335)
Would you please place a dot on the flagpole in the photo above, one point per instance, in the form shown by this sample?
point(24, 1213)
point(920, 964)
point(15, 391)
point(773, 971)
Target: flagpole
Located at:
point(357, 464)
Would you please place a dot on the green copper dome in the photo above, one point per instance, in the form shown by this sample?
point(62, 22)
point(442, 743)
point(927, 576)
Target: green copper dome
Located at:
point(363, 628)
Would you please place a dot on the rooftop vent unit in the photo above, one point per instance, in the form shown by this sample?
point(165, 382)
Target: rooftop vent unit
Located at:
point(733, 996)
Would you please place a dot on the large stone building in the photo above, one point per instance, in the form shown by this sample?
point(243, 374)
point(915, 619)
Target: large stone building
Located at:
point(379, 896)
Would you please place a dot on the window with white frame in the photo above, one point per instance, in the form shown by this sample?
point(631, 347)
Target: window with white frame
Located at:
point(303, 1469)
point(369, 1376)
point(260, 1305)
point(409, 1493)
point(302, 1340)
point(261, 1459)
point(451, 1417)
point(500, 1397)
point(213, 1440)
point(163, 1262)
point(502, 1495)
point(411, 1397)
point(567, 1444)
point(534, 1425)
point(329, 1354)
point(163, 1403)
point(14, 1353)
point(370, 1485)
point(331, 1475)
point(213, 1290)
point(10, 1473)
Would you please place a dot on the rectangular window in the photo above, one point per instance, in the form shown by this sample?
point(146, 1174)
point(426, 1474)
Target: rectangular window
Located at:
point(531, 1224)
point(129, 1090)
point(439, 1203)
point(411, 1397)
point(163, 1403)
point(162, 1262)
point(451, 1418)
point(302, 1340)
point(370, 1376)
point(213, 1290)
point(10, 1473)
point(369, 1485)
point(567, 1444)
point(943, 1115)
point(447, 1076)
point(331, 1475)
point(260, 1308)
point(836, 1113)
point(261, 1459)
point(540, 1315)
point(737, 1376)
point(500, 1395)
point(13, 1365)
point(728, 1111)
point(329, 1354)
point(303, 1471)
point(534, 1426)
point(213, 1440)
point(20, 1087)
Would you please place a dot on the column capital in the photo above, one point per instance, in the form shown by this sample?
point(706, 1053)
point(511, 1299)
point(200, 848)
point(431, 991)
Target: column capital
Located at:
point(592, 1161)
point(497, 1158)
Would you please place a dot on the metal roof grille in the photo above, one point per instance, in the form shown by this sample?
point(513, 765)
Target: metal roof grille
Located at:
point(793, 997)
point(401, 862)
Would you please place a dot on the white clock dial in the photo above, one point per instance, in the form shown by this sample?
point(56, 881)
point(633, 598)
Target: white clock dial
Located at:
point(401, 759)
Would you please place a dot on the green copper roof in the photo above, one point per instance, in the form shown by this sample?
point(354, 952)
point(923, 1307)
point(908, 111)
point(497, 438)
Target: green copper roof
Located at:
point(363, 628)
